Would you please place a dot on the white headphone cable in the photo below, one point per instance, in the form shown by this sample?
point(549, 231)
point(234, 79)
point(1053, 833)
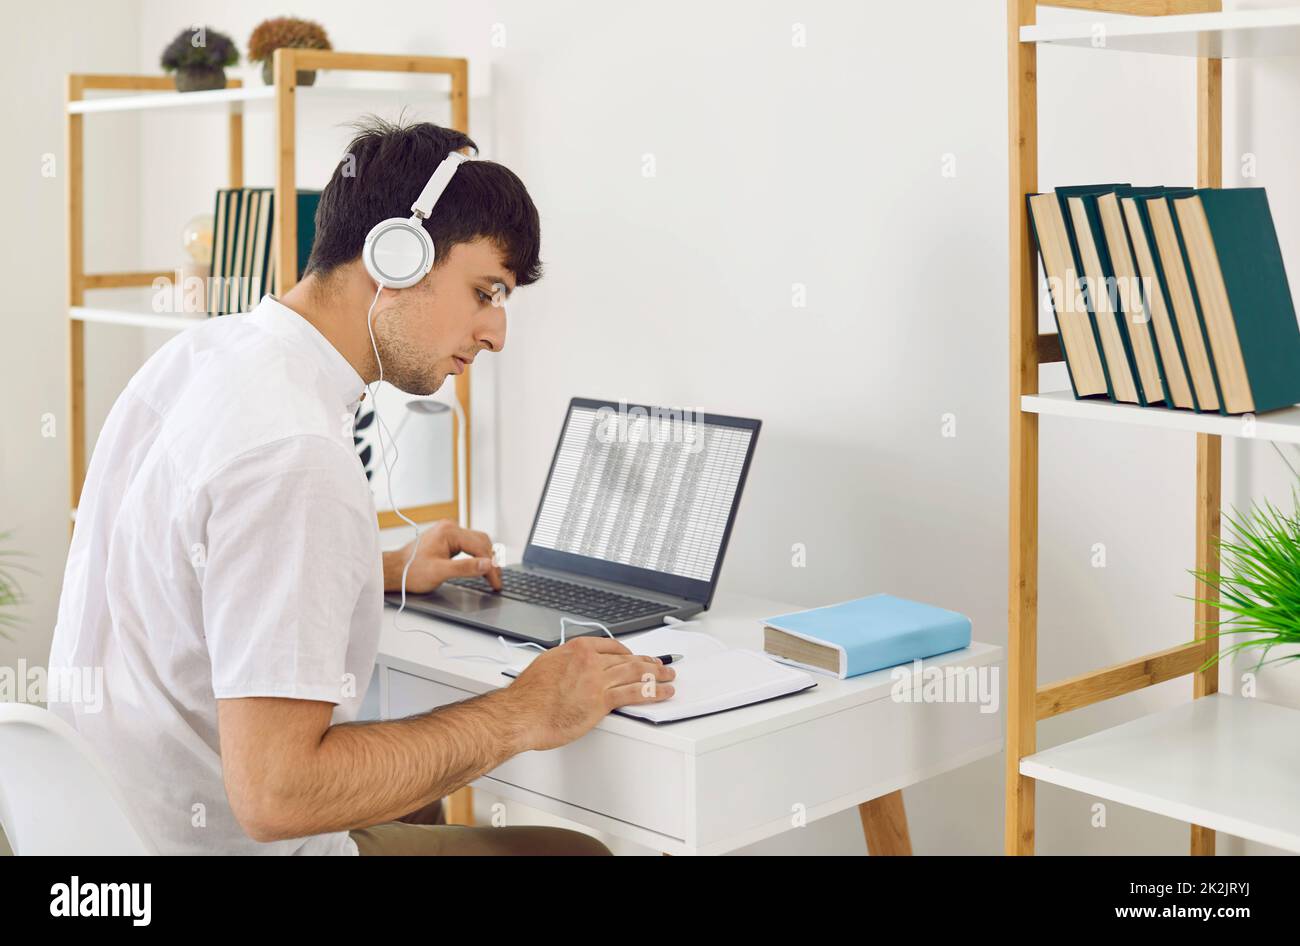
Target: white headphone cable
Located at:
point(563, 621)
point(380, 430)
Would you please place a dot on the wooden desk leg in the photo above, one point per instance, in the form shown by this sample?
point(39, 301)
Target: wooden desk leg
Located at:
point(884, 824)
point(460, 806)
point(1202, 841)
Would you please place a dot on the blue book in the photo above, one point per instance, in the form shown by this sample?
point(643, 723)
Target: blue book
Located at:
point(864, 635)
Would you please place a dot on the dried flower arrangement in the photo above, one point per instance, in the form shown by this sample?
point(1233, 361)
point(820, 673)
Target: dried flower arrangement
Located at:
point(285, 32)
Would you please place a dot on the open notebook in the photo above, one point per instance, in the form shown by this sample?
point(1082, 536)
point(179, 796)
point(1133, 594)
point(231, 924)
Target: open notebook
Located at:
point(712, 677)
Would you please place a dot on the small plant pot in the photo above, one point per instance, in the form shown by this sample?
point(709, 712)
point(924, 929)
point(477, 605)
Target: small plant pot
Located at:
point(305, 76)
point(200, 78)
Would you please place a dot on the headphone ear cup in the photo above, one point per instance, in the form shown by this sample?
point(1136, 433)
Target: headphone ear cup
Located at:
point(398, 253)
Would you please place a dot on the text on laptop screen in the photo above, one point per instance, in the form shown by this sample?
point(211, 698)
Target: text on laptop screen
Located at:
point(650, 490)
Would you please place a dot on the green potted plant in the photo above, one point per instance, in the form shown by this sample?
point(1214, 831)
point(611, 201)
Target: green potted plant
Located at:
point(199, 57)
point(11, 595)
point(1259, 583)
point(285, 32)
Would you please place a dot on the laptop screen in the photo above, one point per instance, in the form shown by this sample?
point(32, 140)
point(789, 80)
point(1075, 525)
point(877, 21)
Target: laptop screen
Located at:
point(643, 495)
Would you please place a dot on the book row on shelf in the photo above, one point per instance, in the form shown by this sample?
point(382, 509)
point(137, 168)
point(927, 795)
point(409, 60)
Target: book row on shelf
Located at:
point(1171, 297)
point(243, 266)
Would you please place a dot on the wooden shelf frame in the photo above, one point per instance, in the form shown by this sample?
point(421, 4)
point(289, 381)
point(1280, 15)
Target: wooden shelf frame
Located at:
point(1027, 701)
point(285, 66)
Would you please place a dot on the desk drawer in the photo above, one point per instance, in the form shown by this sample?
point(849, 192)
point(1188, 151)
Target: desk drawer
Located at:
point(826, 764)
point(409, 695)
point(611, 775)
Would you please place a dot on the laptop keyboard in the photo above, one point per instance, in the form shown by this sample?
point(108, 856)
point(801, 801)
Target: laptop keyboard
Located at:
point(608, 607)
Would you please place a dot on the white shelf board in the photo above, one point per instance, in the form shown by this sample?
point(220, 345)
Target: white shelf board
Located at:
point(134, 102)
point(1223, 762)
point(1235, 34)
point(124, 316)
point(1282, 426)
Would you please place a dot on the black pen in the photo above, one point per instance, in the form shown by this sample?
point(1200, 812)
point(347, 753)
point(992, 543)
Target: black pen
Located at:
point(667, 659)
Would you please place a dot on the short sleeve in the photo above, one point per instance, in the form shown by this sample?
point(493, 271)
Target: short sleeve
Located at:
point(288, 546)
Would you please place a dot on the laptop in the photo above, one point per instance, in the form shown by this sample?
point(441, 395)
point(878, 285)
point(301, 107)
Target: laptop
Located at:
point(631, 528)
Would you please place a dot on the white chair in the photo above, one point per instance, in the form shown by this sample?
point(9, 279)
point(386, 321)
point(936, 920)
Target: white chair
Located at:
point(56, 797)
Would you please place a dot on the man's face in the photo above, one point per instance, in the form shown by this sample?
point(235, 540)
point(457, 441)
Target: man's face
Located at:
point(438, 326)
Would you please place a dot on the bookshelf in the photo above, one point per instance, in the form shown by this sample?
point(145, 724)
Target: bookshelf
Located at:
point(1212, 35)
point(219, 99)
point(135, 93)
point(1279, 426)
point(139, 318)
point(1245, 791)
point(1218, 762)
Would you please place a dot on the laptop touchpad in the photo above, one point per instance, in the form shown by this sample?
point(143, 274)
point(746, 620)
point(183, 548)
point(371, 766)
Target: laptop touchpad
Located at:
point(462, 599)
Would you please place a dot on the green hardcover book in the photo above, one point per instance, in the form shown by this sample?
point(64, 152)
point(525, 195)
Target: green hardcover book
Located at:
point(1184, 302)
point(261, 249)
point(249, 248)
point(216, 270)
point(308, 201)
point(238, 255)
point(1180, 384)
point(1240, 278)
point(1131, 308)
point(1064, 195)
point(229, 283)
point(1099, 279)
point(1083, 363)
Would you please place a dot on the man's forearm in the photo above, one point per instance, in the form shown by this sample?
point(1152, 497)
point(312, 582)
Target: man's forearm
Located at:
point(371, 772)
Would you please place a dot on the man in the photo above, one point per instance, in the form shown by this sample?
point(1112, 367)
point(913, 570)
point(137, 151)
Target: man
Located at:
point(225, 570)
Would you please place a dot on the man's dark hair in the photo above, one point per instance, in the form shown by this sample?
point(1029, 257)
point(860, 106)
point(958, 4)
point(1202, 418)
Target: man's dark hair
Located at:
point(385, 168)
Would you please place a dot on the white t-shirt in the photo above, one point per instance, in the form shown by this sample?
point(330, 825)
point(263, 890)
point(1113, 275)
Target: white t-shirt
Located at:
point(225, 546)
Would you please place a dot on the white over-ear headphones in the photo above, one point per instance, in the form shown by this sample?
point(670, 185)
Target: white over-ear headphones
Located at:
point(399, 251)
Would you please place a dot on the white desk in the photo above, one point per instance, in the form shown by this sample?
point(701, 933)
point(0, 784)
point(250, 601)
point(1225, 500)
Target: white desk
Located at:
point(713, 784)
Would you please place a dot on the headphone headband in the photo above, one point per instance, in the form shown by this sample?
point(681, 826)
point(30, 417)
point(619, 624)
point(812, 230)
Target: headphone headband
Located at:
point(438, 182)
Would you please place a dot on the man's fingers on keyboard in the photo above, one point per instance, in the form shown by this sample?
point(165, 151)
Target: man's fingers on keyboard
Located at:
point(462, 568)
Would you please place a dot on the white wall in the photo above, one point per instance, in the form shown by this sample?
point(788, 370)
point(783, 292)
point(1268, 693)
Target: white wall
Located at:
point(46, 44)
point(820, 166)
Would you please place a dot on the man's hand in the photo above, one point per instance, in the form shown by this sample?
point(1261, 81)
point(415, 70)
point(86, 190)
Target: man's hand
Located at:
point(435, 559)
point(569, 689)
